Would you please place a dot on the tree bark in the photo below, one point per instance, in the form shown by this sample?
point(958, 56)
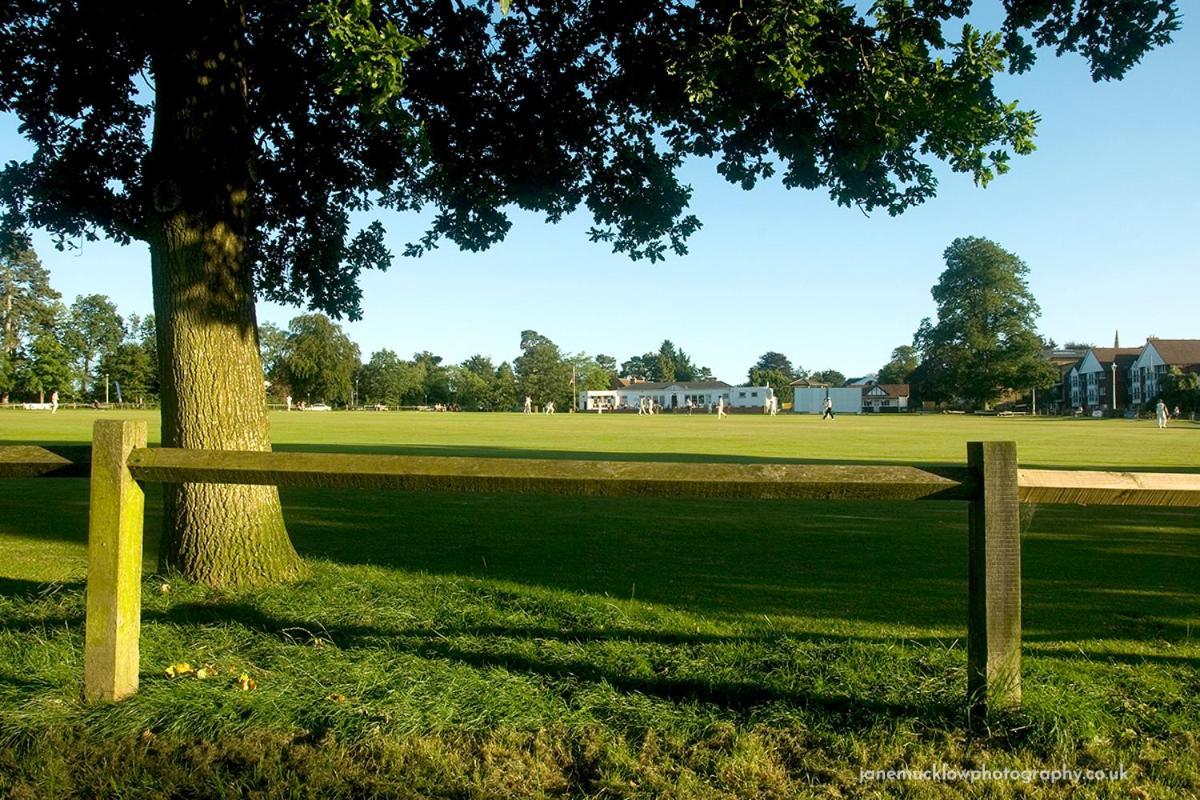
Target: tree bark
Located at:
point(198, 182)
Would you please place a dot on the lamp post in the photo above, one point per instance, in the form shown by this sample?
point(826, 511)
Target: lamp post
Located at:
point(1114, 387)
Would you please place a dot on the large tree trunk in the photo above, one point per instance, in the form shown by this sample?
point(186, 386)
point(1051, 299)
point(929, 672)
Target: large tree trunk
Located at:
point(198, 178)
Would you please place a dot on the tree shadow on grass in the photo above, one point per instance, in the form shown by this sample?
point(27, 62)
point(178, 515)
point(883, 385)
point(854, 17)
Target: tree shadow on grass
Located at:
point(1089, 573)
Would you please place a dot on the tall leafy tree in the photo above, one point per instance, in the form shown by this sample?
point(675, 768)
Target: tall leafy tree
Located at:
point(272, 344)
point(46, 367)
point(474, 383)
point(27, 301)
point(467, 389)
point(320, 359)
point(505, 392)
point(903, 363)
point(133, 364)
point(592, 373)
point(668, 366)
point(643, 368)
point(388, 379)
point(984, 343)
point(778, 362)
point(236, 138)
point(541, 371)
point(45, 363)
point(776, 379)
point(669, 363)
point(435, 381)
point(95, 329)
point(608, 364)
point(830, 376)
point(676, 365)
point(1181, 389)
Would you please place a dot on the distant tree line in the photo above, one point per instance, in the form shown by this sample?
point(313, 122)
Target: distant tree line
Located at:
point(82, 351)
point(315, 361)
point(983, 346)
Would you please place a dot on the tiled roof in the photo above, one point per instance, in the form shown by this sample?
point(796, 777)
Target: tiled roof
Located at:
point(1105, 355)
point(1184, 352)
point(892, 389)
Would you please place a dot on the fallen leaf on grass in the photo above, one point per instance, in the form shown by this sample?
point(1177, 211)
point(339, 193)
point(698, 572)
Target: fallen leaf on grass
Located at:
point(179, 670)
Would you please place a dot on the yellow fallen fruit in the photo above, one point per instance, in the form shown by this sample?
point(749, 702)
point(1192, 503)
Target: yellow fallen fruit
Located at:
point(179, 670)
point(246, 683)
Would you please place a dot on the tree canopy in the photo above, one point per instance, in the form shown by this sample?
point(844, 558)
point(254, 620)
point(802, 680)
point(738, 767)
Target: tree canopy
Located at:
point(542, 372)
point(242, 141)
point(670, 363)
point(985, 341)
point(132, 366)
point(903, 363)
point(778, 362)
point(831, 376)
point(550, 107)
point(1181, 389)
point(320, 359)
point(777, 380)
point(26, 297)
point(28, 304)
point(94, 331)
point(389, 380)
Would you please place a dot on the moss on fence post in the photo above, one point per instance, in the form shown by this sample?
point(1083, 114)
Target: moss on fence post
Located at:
point(114, 578)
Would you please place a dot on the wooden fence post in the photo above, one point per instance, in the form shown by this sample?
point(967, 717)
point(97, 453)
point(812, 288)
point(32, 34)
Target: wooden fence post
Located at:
point(114, 577)
point(994, 580)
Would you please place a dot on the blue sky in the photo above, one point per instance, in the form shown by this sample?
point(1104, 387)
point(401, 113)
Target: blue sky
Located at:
point(1106, 213)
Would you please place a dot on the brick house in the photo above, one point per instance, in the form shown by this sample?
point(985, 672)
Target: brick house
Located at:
point(1092, 379)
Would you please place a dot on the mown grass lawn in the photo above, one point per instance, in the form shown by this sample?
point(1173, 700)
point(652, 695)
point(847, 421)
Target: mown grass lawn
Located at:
point(497, 646)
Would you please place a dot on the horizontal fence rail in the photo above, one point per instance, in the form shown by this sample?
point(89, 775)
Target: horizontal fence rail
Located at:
point(1088, 487)
point(991, 484)
point(28, 461)
point(551, 476)
point(606, 478)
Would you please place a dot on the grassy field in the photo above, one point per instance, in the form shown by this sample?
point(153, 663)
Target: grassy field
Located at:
point(498, 646)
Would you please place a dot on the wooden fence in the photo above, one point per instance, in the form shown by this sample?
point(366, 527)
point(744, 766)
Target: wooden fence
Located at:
point(991, 483)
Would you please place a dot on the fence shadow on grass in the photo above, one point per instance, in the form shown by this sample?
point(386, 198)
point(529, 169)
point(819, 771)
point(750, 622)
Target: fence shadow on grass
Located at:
point(1090, 573)
point(741, 695)
point(19, 588)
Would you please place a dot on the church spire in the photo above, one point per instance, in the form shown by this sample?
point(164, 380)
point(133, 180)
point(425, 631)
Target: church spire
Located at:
point(1116, 339)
